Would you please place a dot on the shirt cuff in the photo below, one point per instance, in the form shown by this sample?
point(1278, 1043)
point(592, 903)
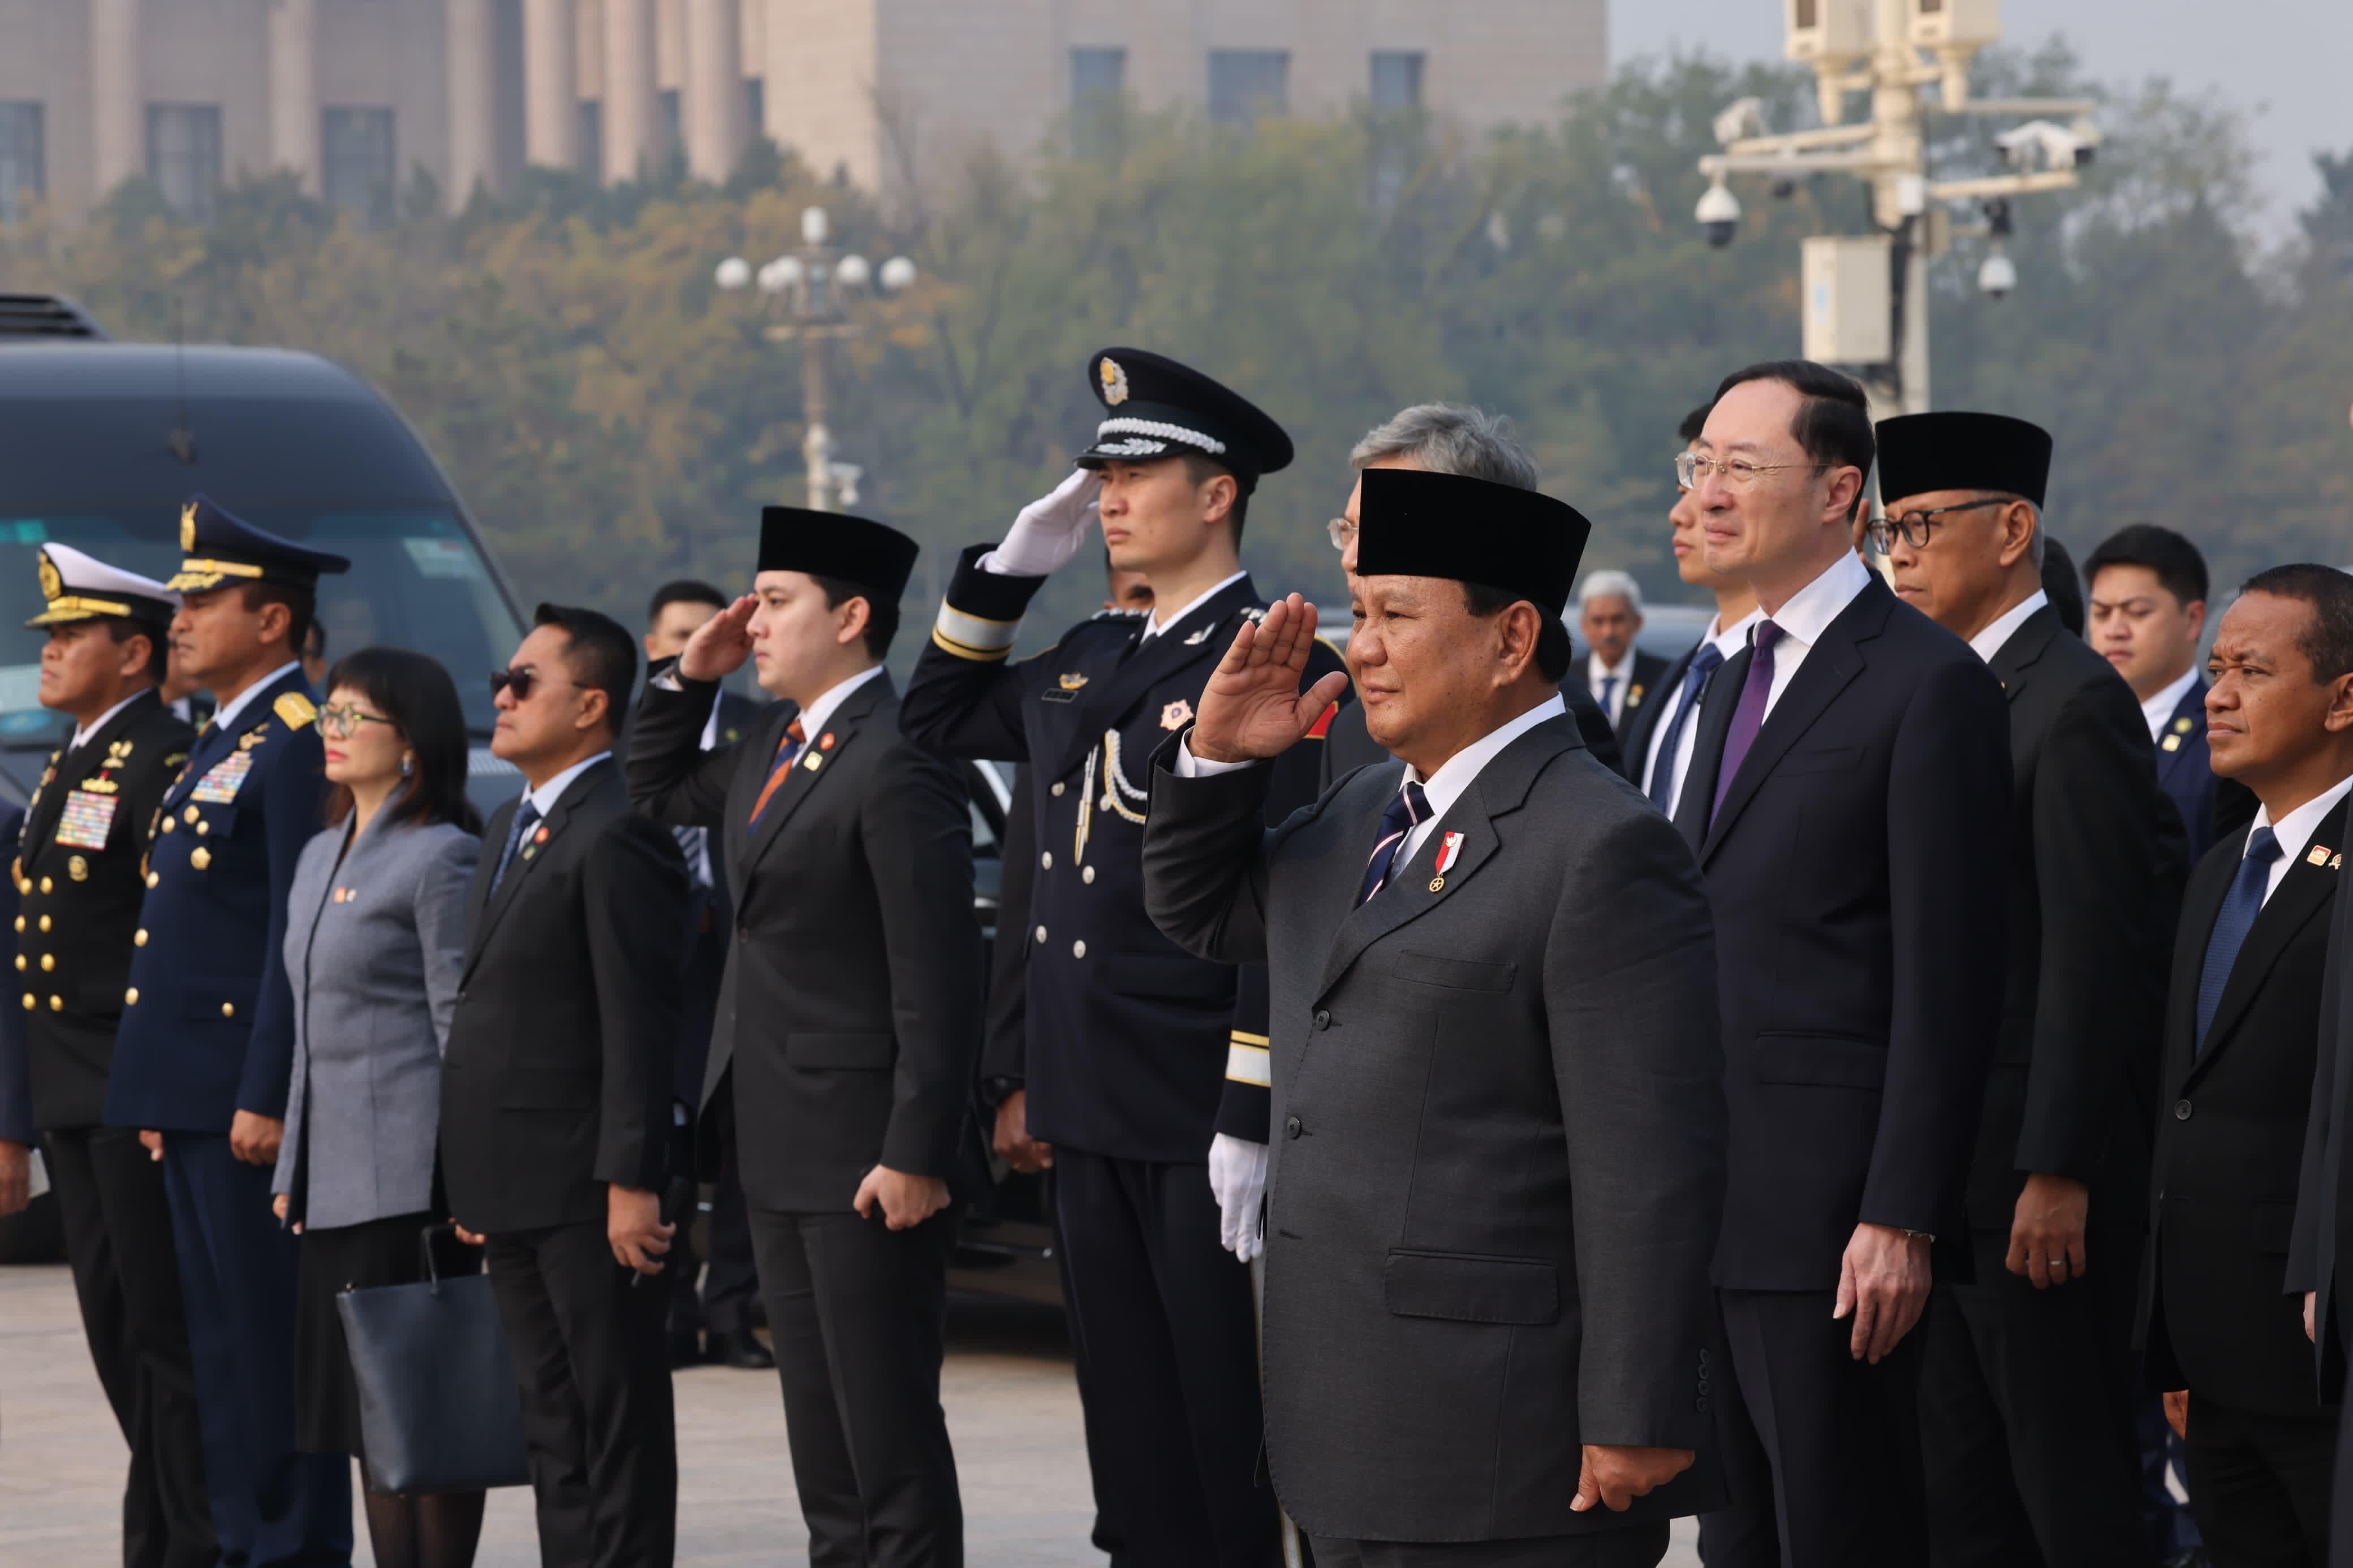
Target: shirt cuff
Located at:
point(1189, 766)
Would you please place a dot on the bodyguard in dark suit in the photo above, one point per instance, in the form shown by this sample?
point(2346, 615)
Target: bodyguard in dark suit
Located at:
point(205, 1050)
point(78, 876)
point(850, 1027)
point(1500, 1165)
point(710, 1316)
point(556, 1095)
point(1848, 798)
point(1622, 678)
point(2221, 1300)
point(2029, 1397)
point(1159, 1158)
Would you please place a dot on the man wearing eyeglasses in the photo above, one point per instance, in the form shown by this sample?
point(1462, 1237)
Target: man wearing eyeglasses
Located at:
point(2030, 1395)
point(1848, 800)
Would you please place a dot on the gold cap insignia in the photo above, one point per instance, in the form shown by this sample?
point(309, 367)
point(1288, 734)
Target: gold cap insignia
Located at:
point(53, 584)
point(188, 526)
point(1114, 380)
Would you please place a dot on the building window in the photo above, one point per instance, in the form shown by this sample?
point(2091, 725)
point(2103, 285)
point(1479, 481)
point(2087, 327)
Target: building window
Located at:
point(184, 156)
point(1096, 73)
point(592, 139)
point(673, 140)
point(755, 108)
point(1249, 85)
point(359, 173)
point(1396, 80)
point(21, 164)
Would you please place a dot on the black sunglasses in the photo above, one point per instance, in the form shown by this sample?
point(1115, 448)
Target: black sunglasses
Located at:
point(523, 681)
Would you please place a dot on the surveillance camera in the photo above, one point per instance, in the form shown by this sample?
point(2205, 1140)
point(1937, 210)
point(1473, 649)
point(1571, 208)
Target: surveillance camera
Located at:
point(1741, 119)
point(2086, 132)
point(2060, 147)
point(1718, 214)
point(1998, 277)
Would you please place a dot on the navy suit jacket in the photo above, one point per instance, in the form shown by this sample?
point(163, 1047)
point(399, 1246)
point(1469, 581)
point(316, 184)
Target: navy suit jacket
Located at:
point(1858, 869)
point(2210, 808)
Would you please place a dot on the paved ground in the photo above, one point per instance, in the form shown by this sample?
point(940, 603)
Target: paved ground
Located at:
point(1011, 1408)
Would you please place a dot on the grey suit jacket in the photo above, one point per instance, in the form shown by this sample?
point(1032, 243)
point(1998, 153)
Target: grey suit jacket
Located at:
point(373, 947)
point(1497, 1165)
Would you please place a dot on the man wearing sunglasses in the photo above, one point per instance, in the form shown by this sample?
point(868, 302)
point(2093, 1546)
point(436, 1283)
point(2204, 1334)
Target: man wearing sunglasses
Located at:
point(2030, 1394)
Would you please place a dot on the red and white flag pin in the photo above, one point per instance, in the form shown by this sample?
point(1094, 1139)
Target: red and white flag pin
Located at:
point(1449, 849)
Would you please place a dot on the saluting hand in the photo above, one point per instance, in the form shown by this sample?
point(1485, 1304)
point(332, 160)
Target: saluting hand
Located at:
point(720, 644)
point(1252, 708)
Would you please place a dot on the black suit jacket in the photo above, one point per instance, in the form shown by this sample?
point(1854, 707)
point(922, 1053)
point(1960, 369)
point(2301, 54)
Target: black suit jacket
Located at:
point(1642, 688)
point(558, 1073)
point(2216, 1305)
point(2212, 809)
point(1347, 745)
point(1857, 871)
point(850, 1025)
point(16, 1123)
point(2096, 865)
point(710, 923)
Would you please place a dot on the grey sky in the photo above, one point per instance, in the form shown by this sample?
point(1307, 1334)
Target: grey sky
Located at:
point(2282, 60)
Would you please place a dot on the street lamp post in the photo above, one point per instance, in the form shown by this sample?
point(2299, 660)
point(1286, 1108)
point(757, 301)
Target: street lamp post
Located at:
point(1867, 298)
point(815, 288)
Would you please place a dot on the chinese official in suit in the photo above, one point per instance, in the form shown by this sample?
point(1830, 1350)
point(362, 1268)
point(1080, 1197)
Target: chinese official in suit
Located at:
point(850, 1029)
point(1499, 1166)
point(2222, 1298)
point(556, 1095)
point(204, 1054)
point(2029, 1397)
point(1147, 1067)
point(1848, 796)
point(78, 874)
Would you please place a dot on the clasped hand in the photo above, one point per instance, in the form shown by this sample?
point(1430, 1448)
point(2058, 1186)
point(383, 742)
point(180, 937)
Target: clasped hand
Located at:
point(1252, 708)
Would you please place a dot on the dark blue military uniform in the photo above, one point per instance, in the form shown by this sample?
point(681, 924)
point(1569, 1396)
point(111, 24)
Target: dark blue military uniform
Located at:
point(1138, 1053)
point(207, 1031)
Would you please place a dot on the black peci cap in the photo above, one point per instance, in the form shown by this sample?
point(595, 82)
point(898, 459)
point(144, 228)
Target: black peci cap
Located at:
point(1155, 407)
point(220, 549)
point(1921, 453)
point(1414, 523)
point(79, 587)
point(829, 544)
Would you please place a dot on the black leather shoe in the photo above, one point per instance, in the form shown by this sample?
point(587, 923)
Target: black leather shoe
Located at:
point(685, 1350)
point(738, 1348)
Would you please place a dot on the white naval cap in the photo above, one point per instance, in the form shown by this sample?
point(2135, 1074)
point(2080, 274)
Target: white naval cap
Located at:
point(81, 587)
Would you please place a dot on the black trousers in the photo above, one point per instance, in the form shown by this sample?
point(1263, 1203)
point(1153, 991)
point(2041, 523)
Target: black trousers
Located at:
point(719, 1299)
point(859, 1314)
point(1821, 1452)
point(2029, 1403)
point(1636, 1546)
point(1170, 1339)
point(118, 1226)
point(2259, 1485)
point(597, 1408)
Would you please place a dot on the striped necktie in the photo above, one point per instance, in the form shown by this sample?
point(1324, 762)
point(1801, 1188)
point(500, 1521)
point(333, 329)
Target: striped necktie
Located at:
point(789, 749)
point(1408, 810)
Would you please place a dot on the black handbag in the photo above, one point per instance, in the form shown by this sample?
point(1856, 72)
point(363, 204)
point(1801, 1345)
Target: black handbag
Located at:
point(439, 1410)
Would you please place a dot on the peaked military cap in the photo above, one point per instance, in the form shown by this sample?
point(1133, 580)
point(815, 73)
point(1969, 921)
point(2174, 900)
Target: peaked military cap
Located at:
point(1155, 407)
point(828, 545)
point(81, 587)
point(1413, 523)
point(221, 548)
point(1920, 453)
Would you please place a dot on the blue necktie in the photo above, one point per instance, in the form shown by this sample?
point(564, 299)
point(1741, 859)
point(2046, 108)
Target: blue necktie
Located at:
point(1407, 810)
point(2244, 903)
point(1704, 664)
point(1609, 685)
point(525, 817)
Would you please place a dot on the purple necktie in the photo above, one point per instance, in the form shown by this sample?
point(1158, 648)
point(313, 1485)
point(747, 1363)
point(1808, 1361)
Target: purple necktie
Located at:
point(1749, 716)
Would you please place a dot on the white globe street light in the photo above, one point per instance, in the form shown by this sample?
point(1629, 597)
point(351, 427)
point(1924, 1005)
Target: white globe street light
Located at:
point(732, 274)
point(853, 272)
point(897, 273)
point(815, 226)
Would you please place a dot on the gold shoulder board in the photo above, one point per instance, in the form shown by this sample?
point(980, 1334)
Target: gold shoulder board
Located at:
point(295, 708)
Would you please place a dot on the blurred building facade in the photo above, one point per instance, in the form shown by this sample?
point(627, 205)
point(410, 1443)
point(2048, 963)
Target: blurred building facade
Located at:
point(355, 96)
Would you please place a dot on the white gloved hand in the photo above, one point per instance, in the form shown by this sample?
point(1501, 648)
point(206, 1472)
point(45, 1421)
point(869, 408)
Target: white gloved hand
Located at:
point(1237, 1177)
point(1049, 531)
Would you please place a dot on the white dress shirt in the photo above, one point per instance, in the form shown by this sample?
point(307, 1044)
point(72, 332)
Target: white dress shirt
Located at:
point(1154, 622)
point(226, 714)
point(543, 798)
point(1728, 640)
point(104, 720)
point(813, 717)
point(1990, 638)
point(1595, 672)
point(2294, 831)
point(2159, 709)
point(1808, 614)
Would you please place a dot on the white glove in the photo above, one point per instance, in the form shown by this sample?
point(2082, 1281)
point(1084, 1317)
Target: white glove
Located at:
point(1237, 1177)
point(1047, 532)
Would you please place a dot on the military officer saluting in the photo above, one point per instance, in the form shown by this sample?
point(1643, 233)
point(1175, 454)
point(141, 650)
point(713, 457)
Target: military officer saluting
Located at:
point(78, 877)
point(205, 1046)
point(1146, 1066)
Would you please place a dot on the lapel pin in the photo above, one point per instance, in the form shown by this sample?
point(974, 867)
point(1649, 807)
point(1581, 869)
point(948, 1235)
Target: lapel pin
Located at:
point(2337, 862)
point(2320, 855)
point(825, 741)
point(815, 761)
point(2172, 743)
point(540, 837)
point(1072, 682)
point(1200, 636)
point(1449, 849)
point(1176, 715)
point(1634, 697)
point(2181, 726)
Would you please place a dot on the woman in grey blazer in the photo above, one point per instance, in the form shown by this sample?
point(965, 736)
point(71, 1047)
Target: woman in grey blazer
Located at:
point(376, 935)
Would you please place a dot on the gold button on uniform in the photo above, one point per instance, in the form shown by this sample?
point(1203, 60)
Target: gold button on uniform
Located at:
point(169, 825)
point(57, 1003)
point(45, 922)
point(1047, 859)
point(228, 1009)
point(201, 858)
point(1058, 792)
point(189, 816)
point(47, 884)
point(49, 962)
point(139, 939)
point(20, 964)
point(203, 828)
point(130, 998)
point(29, 1003)
point(20, 923)
point(153, 878)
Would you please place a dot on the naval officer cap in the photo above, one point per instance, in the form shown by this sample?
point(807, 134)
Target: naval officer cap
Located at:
point(220, 549)
point(1155, 408)
point(81, 587)
point(875, 556)
point(1923, 453)
point(1413, 523)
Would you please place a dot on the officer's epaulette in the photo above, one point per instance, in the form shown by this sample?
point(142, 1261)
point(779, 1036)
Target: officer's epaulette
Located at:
point(1127, 617)
point(295, 708)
